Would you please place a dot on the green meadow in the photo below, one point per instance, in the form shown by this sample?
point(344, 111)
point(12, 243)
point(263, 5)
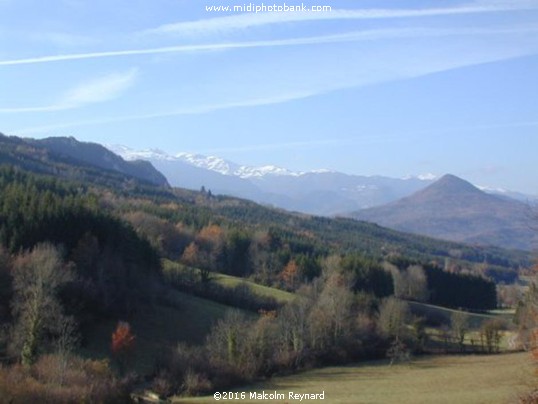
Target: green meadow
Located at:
point(487, 379)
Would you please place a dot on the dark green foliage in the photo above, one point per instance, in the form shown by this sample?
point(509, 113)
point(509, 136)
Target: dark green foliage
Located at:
point(309, 266)
point(6, 291)
point(236, 254)
point(320, 236)
point(370, 277)
point(30, 156)
point(117, 261)
point(456, 290)
point(68, 148)
point(460, 290)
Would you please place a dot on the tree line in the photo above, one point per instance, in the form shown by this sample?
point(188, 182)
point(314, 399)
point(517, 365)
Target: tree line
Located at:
point(72, 254)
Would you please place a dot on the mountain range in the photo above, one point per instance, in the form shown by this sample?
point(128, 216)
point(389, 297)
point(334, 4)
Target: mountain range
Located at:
point(449, 208)
point(453, 209)
point(320, 192)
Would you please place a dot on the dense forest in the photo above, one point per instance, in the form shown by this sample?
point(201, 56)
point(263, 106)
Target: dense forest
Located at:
point(76, 252)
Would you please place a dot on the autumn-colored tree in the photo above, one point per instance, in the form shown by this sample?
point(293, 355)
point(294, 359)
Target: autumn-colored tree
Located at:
point(190, 255)
point(290, 275)
point(122, 338)
point(163, 235)
point(211, 241)
point(123, 342)
point(213, 232)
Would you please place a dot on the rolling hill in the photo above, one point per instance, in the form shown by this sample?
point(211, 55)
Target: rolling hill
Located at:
point(307, 233)
point(453, 209)
point(68, 158)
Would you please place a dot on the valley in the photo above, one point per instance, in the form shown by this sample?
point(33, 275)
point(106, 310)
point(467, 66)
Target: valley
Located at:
point(176, 293)
point(203, 201)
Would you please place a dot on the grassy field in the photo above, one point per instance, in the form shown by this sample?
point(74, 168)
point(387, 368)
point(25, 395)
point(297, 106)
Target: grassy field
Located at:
point(228, 281)
point(443, 314)
point(158, 328)
point(439, 379)
point(437, 336)
point(232, 281)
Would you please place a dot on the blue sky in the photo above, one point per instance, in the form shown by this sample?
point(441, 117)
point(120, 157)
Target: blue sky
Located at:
point(370, 87)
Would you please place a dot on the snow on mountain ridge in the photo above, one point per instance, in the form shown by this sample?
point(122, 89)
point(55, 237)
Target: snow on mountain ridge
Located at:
point(212, 163)
point(208, 162)
point(422, 177)
point(129, 154)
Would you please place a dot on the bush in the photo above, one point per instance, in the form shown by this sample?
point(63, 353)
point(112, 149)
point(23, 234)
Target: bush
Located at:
point(529, 398)
point(82, 381)
point(196, 383)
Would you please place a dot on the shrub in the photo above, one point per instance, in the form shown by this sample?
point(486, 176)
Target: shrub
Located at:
point(83, 381)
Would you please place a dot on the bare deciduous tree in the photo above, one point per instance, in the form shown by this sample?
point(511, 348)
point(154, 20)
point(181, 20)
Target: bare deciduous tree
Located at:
point(410, 283)
point(459, 322)
point(393, 315)
point(491, 333)
point(37, 277)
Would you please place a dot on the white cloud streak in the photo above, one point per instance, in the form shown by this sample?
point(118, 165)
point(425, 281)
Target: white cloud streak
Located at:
point(195, 110)
point(101, 89)
point(316, 40)
point(222, 25)
point(93, 91)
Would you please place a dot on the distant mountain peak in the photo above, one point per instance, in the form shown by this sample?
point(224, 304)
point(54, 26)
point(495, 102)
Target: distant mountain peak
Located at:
point(450, 182)
point(454, 209)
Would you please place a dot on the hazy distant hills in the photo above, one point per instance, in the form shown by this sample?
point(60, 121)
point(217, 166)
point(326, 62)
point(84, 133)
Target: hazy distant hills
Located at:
point(319, 192)
point(454, 209)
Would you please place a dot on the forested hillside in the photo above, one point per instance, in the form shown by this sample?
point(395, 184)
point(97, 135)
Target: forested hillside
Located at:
point(74, 160)
point(82, 247)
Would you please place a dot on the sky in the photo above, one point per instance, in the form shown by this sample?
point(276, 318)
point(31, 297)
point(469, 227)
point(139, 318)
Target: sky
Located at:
point(381, 87)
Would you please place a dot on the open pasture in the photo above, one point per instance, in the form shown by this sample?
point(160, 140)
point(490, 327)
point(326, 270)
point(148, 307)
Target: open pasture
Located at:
point(437, 379)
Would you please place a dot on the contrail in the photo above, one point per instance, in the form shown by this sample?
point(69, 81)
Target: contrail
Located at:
point(346, 37)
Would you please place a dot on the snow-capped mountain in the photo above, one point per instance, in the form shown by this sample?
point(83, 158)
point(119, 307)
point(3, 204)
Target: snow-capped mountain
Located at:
point(321, 192)
point(212, 163)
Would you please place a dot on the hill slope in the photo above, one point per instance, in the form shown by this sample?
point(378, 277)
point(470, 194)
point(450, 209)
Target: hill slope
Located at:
point(453, 209)
point(99, 156)
point(68, 158)
point(310, 235)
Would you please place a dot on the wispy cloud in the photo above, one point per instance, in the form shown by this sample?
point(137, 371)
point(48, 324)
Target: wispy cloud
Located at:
point(93, 91)
point(194, 110)
point(101, 89)
point(221, 25)
point(401, 136)
point(354, 36)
